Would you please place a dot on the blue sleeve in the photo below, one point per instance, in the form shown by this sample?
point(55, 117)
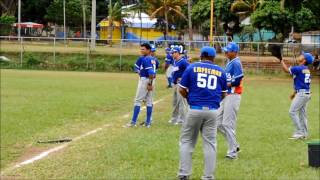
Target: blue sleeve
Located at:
point(294, 70)
point(137, 65)
point(237, 74)
point(168, 59)
point(185, 80)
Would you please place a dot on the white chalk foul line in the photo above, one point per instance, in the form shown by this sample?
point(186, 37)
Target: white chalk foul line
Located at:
point(60, 147)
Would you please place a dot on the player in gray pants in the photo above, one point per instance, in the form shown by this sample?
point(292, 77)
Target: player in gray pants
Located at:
point(302, 94)
point(179, 103)
point(227, 114)
point(204, 85)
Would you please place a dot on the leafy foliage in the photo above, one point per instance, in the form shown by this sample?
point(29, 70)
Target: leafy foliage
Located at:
point(73, 12)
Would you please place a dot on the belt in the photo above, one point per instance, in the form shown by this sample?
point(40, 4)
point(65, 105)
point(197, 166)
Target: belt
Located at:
point(307, 91)
point(202, 108)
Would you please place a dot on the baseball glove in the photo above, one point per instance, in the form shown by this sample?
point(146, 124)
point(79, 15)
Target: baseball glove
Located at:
point(275, 50)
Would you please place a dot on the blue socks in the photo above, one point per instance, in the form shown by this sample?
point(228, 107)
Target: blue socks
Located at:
point(169, 81)
point(149, 114)
point(136, 111)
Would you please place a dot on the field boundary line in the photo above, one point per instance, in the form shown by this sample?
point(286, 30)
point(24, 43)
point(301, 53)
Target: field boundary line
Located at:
point(46, 153)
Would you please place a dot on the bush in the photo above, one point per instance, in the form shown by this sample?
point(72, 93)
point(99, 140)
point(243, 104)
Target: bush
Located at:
point(32, 61)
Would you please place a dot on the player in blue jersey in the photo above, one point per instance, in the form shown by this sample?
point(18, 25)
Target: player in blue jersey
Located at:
point(230, 105)
point(204, 84)
point(146, 67)
point(168, 66)
point(301, 95)
point(179, 103)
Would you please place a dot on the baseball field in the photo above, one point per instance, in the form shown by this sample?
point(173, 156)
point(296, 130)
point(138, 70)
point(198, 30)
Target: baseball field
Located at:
point(91, 108)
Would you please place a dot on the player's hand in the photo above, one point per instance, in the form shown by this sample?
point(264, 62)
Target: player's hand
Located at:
point(149, 87)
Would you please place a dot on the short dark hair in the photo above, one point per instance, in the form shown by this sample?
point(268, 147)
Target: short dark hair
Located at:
point(146, 45)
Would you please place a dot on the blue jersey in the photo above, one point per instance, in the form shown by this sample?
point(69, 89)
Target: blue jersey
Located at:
point(155, 63)
point(205, 82)
point(169, 59)
point(301, 77)
point(178, 68)
point(234, 74)
point(144, 66)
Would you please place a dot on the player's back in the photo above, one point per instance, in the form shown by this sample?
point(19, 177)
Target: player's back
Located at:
point(206, 83)
point(302, 77)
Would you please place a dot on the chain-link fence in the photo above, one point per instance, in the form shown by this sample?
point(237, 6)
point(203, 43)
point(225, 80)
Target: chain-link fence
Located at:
point(120, 54)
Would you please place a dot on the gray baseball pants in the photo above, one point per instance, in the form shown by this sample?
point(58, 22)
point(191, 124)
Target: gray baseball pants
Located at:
point(206, 122)
point(143, 94)
point(180, 106)
point(227, 117)
point(298, 113)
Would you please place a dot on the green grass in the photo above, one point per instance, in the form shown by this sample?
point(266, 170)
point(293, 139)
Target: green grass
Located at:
point(44, 105)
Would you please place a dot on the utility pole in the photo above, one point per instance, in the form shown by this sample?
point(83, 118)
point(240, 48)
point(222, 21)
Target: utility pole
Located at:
point(64, 21)
point(19, 19)
point(93, 25)
point(211, 22)
point(84, 19)
point(190, 24)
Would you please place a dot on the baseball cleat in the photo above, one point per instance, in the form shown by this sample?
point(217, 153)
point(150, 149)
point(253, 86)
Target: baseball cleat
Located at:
point(297, 138)
point(180, 177)
point(232, 157)
point(129, 125)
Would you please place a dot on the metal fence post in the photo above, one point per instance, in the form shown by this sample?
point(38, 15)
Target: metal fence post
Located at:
point(120, 66)
point(88, 51)
point(258, 58)
point(54, 52)
point(21, 51)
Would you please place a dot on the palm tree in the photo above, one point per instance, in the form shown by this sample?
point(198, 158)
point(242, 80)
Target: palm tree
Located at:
point(114, 15)
point(244, 8)
point(161, 8)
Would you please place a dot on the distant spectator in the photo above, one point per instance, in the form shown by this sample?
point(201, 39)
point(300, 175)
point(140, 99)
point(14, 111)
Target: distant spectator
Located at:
point(78, 34)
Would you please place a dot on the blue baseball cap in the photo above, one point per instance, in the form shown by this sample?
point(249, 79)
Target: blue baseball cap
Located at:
point(168, 49)
point(208, 51)
point(308, 57)
point(231, 47)
point(175, 49)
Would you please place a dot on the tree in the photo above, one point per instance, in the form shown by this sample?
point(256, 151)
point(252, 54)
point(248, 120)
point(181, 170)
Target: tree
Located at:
point(269, 16)
point(73, 12)
point(230, 21)
point(305, 20)
point(161, 8)
point(201, 16)
point(114, 15)
point(8, 7)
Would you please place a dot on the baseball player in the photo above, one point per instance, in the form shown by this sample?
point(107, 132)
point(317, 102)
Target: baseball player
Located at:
point(230, 105)
point(301, 95)
point(146, 67)
point(179, 103)
point(156, 63)
point(204, 84)
point(168, 67)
